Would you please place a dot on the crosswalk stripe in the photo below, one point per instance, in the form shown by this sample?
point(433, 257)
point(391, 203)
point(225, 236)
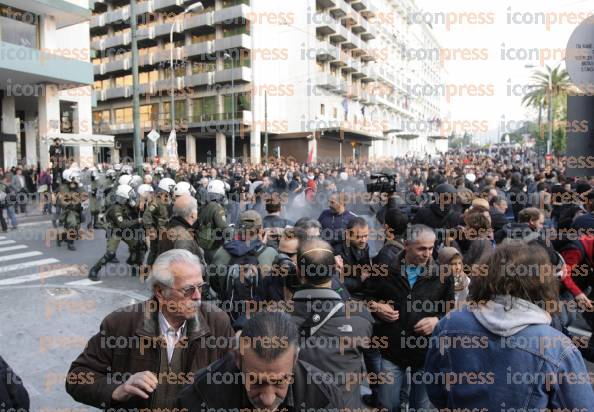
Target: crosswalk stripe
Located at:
point(9, 248)
point(67, 271)
point(6, 242)
point(83, 282)
point(21, 266)
point(16, 256)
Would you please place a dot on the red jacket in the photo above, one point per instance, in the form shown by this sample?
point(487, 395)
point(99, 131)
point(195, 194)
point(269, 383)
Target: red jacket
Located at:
point(573, 257)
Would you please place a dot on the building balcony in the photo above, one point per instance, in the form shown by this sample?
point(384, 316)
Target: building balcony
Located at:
point(199, 49)
point(364, 96)
point(118, 39)
point(205, 120)
point(200, 79)
point(324, 4)
point(343, 87)
point(24, 65)
point(340, 9)
point(327, 81)
point(325, 24)
point(341, 34)
point(240, 41)
point(326, 51)
point(231, 14)
point(353, 41)
point(238, 74)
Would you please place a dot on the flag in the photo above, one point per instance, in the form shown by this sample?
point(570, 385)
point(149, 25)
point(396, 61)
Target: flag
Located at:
point(171, 151)
point(310, 156)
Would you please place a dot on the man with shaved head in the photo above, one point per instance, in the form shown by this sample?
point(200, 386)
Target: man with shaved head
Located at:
point(324, 316)
point(179, 233)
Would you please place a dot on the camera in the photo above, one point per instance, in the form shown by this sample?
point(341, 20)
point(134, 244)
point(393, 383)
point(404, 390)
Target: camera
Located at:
point(383, 183)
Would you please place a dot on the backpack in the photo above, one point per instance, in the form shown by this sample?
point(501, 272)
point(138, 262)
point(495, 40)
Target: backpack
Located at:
point(317, 319)
point(241, 282)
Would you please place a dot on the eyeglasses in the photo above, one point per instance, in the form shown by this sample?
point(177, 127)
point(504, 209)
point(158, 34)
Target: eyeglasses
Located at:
point(189, 291)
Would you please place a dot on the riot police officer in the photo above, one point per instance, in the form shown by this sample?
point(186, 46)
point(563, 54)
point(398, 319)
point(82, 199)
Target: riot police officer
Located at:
point(121, 226)
point(70, 201)
point(212, 220)
point(156, 216)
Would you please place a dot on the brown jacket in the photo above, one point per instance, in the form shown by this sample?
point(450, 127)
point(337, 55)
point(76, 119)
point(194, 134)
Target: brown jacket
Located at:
point(179, 234)
point(129, 342)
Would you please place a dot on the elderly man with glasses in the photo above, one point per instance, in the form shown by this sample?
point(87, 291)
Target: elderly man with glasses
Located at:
point(145, 353)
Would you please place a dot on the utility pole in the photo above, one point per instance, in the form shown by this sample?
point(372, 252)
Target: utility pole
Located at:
point(135, 91)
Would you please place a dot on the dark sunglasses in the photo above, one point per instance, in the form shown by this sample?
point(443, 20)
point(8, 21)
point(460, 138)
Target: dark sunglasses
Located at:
point(189, 291)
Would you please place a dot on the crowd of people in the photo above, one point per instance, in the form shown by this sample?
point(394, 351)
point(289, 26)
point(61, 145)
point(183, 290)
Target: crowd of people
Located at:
point(411, 284)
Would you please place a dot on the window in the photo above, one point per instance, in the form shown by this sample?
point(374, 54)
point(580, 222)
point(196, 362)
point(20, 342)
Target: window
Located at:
point(101, 119)
point(124, 81)
point(319, 67)
point(180, 110)
point(322, 109)
point(229, 31)
point(203, 108)
point(148, 77)
point(335, 113)
point(123, 115)
point(229, 3)
point(199, 38)
point(241, 58)
point(203, 67)
point(18, 27)
point(242, 102)
point(149, 112)
point(68, 112)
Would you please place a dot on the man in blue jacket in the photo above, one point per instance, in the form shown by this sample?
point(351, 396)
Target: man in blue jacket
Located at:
point(335, 219)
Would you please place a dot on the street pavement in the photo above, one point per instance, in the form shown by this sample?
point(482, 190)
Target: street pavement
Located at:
point(51, 308)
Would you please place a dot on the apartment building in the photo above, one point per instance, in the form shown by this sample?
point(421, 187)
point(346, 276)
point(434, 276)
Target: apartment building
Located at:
point(45, 82)
point(320, 79)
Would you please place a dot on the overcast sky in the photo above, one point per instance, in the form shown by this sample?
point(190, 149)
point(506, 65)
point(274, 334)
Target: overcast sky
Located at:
point(495, 34)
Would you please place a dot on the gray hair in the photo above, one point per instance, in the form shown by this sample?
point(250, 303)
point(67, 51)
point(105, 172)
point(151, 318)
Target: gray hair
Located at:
point(185, 212)
point(419, 231)
point(268, 325)
point(161, 273)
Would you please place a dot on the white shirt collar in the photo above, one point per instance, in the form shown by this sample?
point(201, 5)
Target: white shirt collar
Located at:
point(165, 326)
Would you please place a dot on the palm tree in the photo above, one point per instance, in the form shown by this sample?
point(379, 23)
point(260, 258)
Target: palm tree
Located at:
point(558, 81)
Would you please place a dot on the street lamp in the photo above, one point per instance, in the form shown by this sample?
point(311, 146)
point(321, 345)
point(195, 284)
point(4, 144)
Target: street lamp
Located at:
point(196, 6)
point(228, 56)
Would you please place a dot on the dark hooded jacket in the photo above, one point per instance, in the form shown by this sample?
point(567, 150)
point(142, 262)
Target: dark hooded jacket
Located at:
point(431, 296)
point(304, 392)
point(437, 217)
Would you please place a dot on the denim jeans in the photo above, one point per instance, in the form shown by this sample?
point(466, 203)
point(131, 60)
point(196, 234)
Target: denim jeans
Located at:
point(373, 364)
point(390, 392)
point(11, 216)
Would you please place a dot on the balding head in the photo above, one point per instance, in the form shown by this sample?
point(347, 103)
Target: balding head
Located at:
point(316, 262)
point(186, 207)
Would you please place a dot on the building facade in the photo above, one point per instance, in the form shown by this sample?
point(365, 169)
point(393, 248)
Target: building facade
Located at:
point(45, 83)
point(317, 80)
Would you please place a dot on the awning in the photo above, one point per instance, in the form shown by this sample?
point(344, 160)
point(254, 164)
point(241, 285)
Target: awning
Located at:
point(407, 136)
point(77, 139)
